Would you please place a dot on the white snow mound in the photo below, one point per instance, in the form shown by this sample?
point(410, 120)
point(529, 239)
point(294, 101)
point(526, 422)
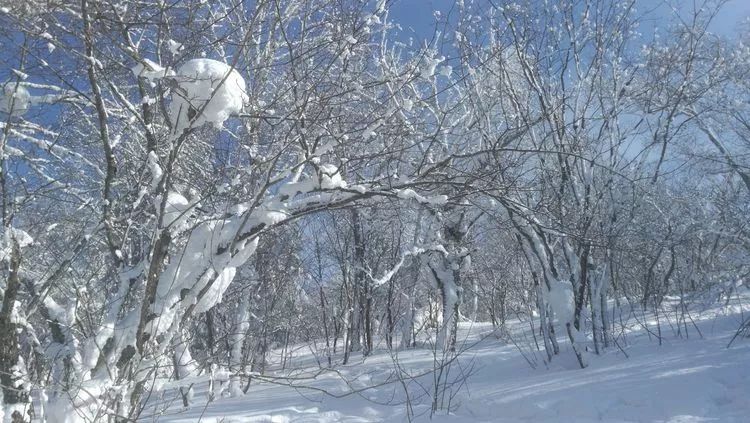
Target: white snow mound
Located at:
point(201, 81)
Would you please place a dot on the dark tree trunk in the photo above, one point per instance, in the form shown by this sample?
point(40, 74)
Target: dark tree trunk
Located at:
point(9, 350)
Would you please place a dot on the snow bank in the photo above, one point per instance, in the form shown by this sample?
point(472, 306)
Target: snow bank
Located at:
point(207, 85)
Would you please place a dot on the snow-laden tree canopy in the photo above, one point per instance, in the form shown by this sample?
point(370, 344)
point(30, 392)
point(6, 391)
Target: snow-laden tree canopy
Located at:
point(213, 187)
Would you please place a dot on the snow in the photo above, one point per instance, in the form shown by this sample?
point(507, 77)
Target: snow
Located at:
point(446, 71)
point(199, 275)
point(237, 340)
point(685, 380)
point(207, 85)
point(371, 129)
point(152, 162)
point(560, 300)
point(176, 209)
point(410, 194)
point(7, 411)
point(330, 177)
point(430, 65)
point(151, 70)
point(373, 19)
point(15, 99)
point(173, 46)
point(18, 235)
point(22, 237)
point(21, 75)
point(215, 293)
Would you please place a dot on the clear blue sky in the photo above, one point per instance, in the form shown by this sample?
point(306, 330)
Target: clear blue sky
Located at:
point(418, 14)
point(734, 13)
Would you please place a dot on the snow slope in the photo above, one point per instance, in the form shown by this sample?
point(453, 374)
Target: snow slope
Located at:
point(686, 379)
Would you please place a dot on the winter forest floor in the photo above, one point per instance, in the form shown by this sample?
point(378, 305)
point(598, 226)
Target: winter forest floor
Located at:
point(690, 377)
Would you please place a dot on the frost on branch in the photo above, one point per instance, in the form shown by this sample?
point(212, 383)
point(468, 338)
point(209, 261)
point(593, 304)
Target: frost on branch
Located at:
point(209, 88)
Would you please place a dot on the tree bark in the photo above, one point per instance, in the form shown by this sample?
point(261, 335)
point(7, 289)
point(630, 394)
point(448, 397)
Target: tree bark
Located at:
point(11, 364)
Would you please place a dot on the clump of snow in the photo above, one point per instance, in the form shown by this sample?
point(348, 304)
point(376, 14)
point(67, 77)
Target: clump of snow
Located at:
point(330, 177)
point(410, 194)
point(372, 20)
point(369, 132)
point(359, 188)
point(22, 237)
point(153, 165)
point(175, 209)
point(430, 65)
point(15, 99)
point(407, 104)
point(215, 292)
point(207, 86)
point(173, 46)
point(150, 70)
point(202, 274)
point(446, 71)
point(22, 75)
point(327, 177)
point(13, 234)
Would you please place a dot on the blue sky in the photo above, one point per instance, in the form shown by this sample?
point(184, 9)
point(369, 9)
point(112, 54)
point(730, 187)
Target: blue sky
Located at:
point(418, 14)
point(734, 13)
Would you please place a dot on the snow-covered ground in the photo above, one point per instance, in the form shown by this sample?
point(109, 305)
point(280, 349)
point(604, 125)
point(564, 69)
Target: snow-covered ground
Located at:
point(693, 378)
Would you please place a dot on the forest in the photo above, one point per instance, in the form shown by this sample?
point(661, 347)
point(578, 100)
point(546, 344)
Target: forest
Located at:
point(201, 199)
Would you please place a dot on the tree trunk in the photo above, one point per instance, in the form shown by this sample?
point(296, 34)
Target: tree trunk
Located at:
point(12, 368)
